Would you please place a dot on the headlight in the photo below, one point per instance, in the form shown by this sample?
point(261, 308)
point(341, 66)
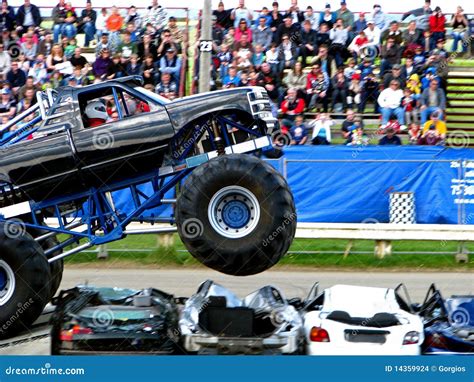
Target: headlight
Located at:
point(411, 338)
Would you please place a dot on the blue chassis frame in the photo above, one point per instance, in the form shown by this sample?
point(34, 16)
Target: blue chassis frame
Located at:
point(98, 211)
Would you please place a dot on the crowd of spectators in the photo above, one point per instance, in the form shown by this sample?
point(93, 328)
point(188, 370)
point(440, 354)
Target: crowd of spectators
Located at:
point(328, 61)
point(335, 61)
point(33, 58)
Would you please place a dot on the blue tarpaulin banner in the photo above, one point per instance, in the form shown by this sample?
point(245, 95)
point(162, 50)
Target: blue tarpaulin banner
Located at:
point(239, 368)
point(340, 184)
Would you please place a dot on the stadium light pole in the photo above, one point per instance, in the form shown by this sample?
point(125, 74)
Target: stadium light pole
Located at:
point(205, 48)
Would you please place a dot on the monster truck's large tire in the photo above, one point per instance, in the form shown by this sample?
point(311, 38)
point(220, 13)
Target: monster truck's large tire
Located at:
point(236, 214)
point(24, 279)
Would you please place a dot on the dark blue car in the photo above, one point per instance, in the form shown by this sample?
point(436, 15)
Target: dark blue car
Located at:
point(449, 323)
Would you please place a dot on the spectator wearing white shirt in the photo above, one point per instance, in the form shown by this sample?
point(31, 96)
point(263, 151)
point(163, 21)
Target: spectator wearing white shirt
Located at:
point(390, 104)
point(100, 23)
point(373, 33)
point(321, 129)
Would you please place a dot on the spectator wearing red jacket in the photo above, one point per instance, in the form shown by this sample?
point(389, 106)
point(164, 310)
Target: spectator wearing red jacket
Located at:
point(437, 27)
point(292, 105)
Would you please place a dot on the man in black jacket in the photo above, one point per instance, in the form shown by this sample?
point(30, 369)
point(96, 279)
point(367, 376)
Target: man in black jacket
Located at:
point(290, 29)
point(27, 15)
point(16, 77)
point(87, 23)
point(267, 79)
point(309, 46)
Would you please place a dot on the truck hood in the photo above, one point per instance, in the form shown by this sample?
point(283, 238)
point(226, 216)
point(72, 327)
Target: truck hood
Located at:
point(187, 109)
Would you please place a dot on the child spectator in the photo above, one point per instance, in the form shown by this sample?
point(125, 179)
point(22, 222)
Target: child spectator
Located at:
point(229, 38)
point(253, 78)
point(390, 138)
point(319, 93)
point(231, 79)
point(70, 48)
point(225, 58)
point(354, 92)
point(358, 44)
point(350, 69)
point(409, 106)
point(414, 85)
point(243, 79)
point(298, 132)
point(258, 57)
point(359, 138)
point(419, 59)
point(414, 134)
point(133, 67)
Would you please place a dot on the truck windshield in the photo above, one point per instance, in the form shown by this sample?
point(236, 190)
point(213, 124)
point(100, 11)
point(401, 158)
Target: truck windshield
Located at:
point(156, 97)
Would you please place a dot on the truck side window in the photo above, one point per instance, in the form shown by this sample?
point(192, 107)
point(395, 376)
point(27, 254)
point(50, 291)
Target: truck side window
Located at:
point(112, 105)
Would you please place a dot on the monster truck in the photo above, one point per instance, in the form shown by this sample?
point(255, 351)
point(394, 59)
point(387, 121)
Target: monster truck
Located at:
point(233, 212)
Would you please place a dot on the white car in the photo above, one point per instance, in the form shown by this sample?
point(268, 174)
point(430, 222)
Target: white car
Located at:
point(355, 320)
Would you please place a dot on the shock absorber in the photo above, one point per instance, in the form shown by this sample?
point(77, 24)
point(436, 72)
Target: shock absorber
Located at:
point(217, 137)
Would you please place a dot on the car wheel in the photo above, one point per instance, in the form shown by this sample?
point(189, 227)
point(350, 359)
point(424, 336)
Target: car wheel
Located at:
point(236, 214)
point(24, 279)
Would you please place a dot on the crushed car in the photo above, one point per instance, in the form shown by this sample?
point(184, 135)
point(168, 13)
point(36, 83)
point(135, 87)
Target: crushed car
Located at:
point(93, 321)
point(357, 320)
point(215, 321)
point(449, 323)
